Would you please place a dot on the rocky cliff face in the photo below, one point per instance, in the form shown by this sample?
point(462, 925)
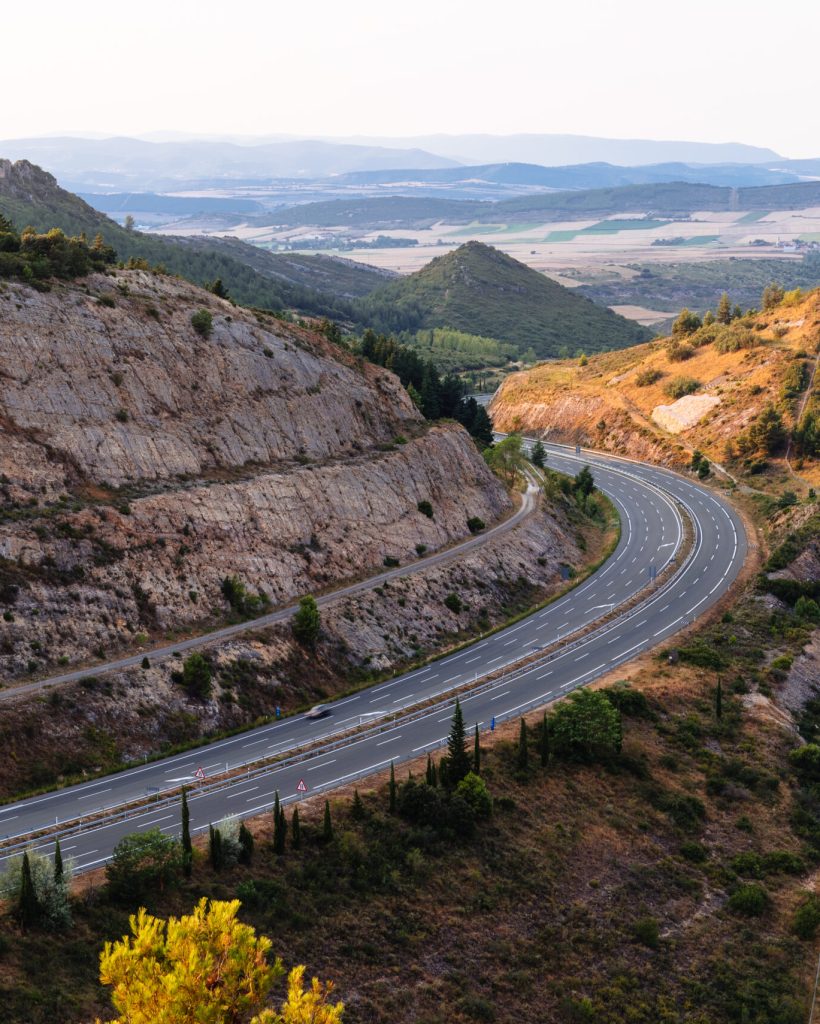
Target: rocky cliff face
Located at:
point(141, 464)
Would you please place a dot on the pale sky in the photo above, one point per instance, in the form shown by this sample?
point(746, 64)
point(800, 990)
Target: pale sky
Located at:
point(704, 70)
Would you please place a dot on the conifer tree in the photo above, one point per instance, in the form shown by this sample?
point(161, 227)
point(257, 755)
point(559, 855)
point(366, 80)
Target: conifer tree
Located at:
point(295, 830)
point(523, 759)
point(544, 742)
point(429, 772)
point(357, 811)
point(327, 825)
point(719, 700)
point(477, 752)
point(392, 789)
point(28, 908)
point(59, 872)
point(724, 310)
point(187, 846)
point(215, 848)
point(458, 761)
point(245, 844)
point(280, 832)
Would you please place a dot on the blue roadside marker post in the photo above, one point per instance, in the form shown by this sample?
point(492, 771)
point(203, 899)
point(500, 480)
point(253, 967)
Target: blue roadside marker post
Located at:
point(492, 724)
point(278, 711)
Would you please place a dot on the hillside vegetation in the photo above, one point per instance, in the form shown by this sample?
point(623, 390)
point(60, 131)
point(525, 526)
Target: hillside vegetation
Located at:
point(653, 862)
point(31, 196)
point(738, 392)
point(479, 290)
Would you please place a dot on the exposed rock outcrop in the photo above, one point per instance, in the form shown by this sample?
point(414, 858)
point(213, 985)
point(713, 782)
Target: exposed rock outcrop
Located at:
point(141, 463)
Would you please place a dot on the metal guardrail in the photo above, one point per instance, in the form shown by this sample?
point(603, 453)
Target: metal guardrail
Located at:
point(146, 805)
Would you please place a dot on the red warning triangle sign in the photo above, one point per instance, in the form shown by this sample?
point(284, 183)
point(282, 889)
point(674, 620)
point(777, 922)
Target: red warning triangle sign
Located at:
point(301, 788)
point(200, 773)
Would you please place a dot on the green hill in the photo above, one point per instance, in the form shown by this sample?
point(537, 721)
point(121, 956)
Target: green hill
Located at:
point(482, 291)
point(316, 285)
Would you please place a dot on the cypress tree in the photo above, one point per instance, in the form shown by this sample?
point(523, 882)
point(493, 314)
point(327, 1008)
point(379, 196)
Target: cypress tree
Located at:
point(295, 830)
point(477, 753)
point(434, 774)
point(523, 759)
point(280, 833)
point(275, 808)
point(28, 909)
point(458, 761)
point(245, 844)
point(187, 846)
point(430, 770)
point(327, 825)
point(719, 700)
point(215, 848)
point(357, 811)
point(59, 872)
point(392, 789)
point(544, 743)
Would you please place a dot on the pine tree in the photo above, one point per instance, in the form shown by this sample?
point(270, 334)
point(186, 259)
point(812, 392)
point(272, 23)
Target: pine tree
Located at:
point(327, 824)
point(544, 742)
point(295, 830)
point(724, 310)
point(28, 908)
point(538, 455)
point(307, 623)
point(477, 752)
point(246, 843)
point(458, 761)
point(523, 759)
point(187, 846)
point(59, 871)
point(719, 700)
point(392, 789)
point(357, 811)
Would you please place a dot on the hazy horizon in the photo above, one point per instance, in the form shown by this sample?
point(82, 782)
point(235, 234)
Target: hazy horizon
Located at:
point(375, 69)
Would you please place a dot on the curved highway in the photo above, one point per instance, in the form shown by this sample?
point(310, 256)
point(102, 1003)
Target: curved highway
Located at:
point(648, 500)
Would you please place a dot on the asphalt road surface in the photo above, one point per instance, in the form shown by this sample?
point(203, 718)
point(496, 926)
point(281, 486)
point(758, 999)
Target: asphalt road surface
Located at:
point(650, 536)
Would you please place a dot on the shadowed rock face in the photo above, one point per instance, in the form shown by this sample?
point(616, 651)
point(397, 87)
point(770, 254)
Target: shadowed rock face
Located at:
point(261, 451)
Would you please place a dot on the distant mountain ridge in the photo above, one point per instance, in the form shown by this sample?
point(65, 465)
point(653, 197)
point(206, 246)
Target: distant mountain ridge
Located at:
point(481, 290)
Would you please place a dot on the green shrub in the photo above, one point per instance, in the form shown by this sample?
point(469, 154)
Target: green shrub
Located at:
point(807, 917)
point(426, 508)
point(750, 900)
point(678, 387)
point(475, 524)
point(694, 852)
point(782, 862)
point(306, 623)
point(647, 377)
point(685, 810)
point(196, 676)
point(391, 562)
point(473, 790)
point(747, 864)
point(646, 931)
point(807, 608)
point(454, 603)
point(632, 703)
point(202, 322)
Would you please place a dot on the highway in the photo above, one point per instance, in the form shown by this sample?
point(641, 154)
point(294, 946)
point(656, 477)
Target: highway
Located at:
point(647, 499)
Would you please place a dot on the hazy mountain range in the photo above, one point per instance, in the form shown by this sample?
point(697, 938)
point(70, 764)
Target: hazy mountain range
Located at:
point(94, 164)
